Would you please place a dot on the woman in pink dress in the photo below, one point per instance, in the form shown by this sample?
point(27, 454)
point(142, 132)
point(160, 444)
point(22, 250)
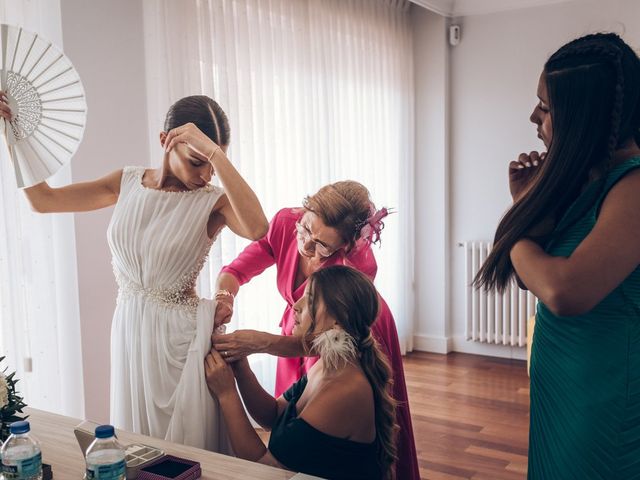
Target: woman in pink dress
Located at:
point(336, 226)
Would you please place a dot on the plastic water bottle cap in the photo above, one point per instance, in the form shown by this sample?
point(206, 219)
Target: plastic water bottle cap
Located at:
point(104, 431)
point(16, 428)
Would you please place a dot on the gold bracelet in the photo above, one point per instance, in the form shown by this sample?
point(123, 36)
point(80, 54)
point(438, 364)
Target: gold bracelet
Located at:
point(226, 293)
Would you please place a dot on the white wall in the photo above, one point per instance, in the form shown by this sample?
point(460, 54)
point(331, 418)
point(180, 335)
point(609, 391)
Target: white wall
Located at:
point(494, 74)
point(104, 40)
point(431, 63)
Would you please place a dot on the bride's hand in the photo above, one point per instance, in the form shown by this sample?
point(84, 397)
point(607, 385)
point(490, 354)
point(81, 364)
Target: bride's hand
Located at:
point(224, 308)
point(5, 111)
point(193, 137)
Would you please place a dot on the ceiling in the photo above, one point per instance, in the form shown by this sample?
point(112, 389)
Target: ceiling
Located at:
point(461, 8)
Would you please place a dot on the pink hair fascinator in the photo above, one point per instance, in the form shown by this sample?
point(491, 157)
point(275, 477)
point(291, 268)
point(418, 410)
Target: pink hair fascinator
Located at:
point(373, 226)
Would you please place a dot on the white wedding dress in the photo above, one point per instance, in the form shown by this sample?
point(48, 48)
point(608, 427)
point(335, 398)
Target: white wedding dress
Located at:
point(161, 334)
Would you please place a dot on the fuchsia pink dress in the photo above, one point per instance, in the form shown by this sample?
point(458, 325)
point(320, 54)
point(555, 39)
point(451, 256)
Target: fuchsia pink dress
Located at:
point(280, 247)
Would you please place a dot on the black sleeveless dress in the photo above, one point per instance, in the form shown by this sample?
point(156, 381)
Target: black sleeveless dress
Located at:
point(302, 448)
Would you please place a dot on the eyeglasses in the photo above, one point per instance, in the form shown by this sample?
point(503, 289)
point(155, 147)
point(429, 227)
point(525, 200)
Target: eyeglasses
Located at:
point(305, 235)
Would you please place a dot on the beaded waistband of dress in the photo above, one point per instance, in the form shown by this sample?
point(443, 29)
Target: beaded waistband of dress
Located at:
point(166, 297)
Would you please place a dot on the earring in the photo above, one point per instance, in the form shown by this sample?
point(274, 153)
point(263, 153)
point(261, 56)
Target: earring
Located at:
point(336, 347)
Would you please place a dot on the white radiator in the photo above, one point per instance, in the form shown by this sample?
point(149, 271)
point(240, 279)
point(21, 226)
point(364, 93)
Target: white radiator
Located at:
point(492, 317)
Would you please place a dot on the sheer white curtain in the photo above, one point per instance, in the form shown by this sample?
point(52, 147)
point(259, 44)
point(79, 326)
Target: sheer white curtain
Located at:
point(39, 317)
point(316, 91)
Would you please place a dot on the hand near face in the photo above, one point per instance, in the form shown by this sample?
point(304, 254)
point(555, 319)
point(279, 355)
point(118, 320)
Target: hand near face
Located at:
point(193, 138)
point(523, 171)
point(219, 375)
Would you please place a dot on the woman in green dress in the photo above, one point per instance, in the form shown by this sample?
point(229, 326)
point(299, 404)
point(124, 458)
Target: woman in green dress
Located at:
point(572, 237)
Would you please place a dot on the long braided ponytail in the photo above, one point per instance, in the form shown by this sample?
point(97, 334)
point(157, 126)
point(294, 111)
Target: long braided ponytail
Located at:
point(352, 300)
point(594, 94)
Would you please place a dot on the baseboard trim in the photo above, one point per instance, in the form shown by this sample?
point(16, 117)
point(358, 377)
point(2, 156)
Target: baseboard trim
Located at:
point(432, 343)
point(444, 345)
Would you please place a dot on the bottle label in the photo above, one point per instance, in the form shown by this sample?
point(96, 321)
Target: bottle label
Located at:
point(113, 471)
point(25, 468)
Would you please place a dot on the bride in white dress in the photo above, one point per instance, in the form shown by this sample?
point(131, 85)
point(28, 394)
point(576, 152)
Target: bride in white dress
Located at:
point(164, 223)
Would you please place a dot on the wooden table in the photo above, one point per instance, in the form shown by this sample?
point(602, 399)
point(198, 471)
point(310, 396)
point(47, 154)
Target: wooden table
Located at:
point(61, 450)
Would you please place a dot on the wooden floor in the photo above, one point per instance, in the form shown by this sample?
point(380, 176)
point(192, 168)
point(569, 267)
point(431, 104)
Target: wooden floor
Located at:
point(470, 416)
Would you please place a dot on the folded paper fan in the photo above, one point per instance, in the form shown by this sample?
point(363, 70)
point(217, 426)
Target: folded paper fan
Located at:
point(47, 101)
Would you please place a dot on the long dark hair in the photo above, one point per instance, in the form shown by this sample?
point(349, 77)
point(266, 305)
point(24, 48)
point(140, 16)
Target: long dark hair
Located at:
point(593, 84)
point(352, 300)
point(204, 113)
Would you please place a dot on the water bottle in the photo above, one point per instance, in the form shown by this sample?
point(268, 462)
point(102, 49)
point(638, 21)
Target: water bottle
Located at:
point(21, 454)
point(105, 456)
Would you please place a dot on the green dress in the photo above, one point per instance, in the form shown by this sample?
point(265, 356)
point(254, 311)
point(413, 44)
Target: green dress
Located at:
point(585, 370)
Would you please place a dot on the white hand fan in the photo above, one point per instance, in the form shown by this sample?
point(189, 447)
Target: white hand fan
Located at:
point(47, 101)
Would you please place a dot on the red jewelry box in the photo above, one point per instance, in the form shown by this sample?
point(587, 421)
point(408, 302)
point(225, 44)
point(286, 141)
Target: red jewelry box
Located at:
point(170, 468)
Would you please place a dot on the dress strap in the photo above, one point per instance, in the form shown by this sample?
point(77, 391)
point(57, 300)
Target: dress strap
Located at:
point(130, 175)
point(615, 175)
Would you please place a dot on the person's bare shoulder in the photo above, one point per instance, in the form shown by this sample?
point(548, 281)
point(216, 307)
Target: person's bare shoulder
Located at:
point(342, 406)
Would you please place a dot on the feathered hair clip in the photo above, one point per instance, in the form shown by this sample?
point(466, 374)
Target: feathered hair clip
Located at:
point(336, 347)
